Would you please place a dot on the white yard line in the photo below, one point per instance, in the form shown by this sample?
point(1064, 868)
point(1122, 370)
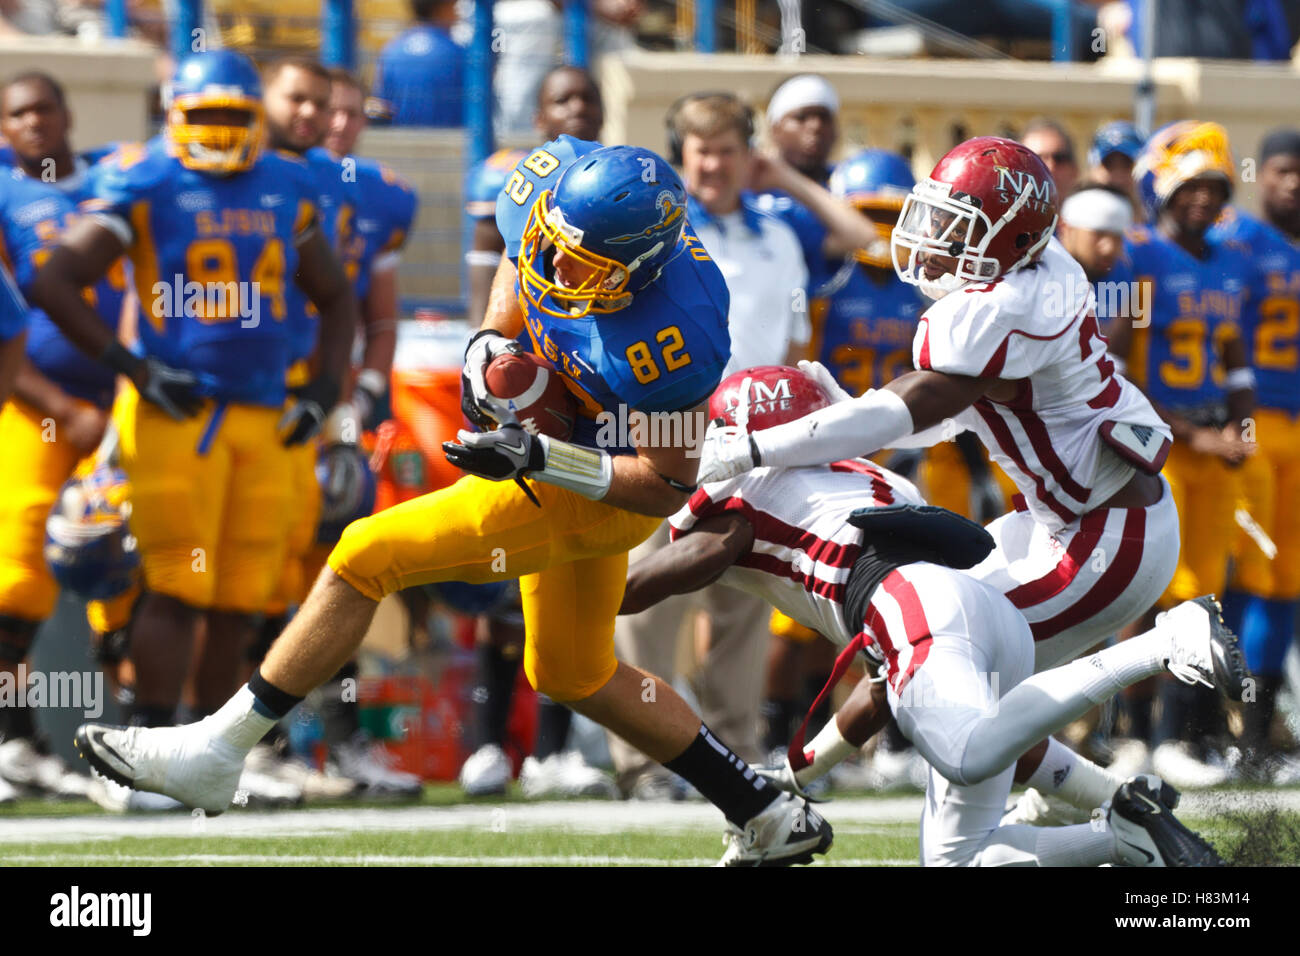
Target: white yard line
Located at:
point(222, 859)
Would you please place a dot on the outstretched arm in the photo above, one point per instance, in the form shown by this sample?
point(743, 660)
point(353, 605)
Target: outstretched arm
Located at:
point(910, 403)
point(689, 563)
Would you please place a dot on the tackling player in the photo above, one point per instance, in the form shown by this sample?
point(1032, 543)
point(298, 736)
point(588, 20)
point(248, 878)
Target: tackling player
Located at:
point(1011, 350)
point(216, 228)
point(595, 232)
point(850, 550)
point(1261, 602)
point(59, 408)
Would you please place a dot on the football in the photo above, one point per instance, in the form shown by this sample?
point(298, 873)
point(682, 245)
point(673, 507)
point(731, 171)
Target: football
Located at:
point(535, 392)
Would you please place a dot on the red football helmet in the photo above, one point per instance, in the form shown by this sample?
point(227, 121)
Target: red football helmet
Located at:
point(766, 396)
point(990, 205)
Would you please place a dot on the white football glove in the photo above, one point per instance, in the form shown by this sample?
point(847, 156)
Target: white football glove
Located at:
point(483, 348)
point(727, 451)
point(820, 374)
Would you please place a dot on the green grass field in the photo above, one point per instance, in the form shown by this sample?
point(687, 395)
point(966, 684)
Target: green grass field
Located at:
point(446, 829)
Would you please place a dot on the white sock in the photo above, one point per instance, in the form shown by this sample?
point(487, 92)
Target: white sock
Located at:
point(238, 723)
point(828, 748)
point(1078, 845)
point(1076, 780)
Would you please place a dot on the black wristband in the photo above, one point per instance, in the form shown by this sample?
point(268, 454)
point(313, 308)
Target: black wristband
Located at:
point(119, 358)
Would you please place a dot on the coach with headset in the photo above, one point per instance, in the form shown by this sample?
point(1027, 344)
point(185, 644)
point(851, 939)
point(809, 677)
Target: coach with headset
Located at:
point(709, 138)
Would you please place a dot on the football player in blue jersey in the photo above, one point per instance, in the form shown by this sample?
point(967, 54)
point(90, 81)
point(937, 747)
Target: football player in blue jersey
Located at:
point(1262, 599)
point(568, 103)
point(604, 277)
point(59, 408)
point(1186, 351)
point(373, 245)
point(217, 229)
point(13, 328)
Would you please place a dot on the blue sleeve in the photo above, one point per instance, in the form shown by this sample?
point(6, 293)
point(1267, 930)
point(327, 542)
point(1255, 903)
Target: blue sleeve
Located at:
point(13, 309)
point(524, 185)
point(118, 182)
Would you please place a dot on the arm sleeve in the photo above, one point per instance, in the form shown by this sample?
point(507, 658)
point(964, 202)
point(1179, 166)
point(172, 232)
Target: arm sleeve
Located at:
point(852, 429)
point(967, 333)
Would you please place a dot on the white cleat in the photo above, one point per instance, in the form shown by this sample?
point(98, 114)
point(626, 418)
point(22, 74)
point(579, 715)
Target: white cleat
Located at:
point(367, 762)
point(487, 771)
point(184, 763)
point(115, 798)
point(1205, 651)
point(23, 765)
point(564, 774)
point(788, 832)
point(315, 786)
point(1175, 761)
point(7, 792)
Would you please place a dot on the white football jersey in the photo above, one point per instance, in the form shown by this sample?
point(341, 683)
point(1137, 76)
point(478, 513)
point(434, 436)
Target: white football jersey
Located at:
point(1037, 326)
point(803, 544)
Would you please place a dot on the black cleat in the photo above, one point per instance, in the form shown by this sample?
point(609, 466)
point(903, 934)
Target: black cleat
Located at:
point(1206, 651)
point(1146, 831)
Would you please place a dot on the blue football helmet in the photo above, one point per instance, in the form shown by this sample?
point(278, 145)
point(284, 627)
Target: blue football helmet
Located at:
point(1119, 137)
point(88, 546)
point(874, 180)
point(620, 211)
point(347, 490)
point(222, 79)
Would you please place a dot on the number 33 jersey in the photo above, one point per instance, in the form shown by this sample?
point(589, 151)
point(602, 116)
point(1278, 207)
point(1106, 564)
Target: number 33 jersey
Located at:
point(663, 352)
point(212, 257)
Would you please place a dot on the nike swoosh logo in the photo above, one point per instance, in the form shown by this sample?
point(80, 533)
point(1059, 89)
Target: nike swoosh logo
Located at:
point(1145, 853)
point(513, 449)
point(99, 741)
point(1150, 803)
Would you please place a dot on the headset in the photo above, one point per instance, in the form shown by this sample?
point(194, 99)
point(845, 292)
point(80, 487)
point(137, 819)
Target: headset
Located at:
point(674, 111)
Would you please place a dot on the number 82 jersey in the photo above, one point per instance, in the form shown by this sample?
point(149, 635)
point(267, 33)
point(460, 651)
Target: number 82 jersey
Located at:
point(664, 352)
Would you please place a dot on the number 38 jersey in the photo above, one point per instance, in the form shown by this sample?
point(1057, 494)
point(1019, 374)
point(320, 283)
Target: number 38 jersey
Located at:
point(863, 329)
point(664, 352)
point(1036, 329)
point(212, 257)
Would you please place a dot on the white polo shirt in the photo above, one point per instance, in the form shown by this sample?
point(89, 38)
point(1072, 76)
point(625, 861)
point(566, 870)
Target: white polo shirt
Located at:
point(763, 265)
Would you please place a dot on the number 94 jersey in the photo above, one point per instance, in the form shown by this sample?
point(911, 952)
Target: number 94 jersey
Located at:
point(664, 352)
point(212, 256)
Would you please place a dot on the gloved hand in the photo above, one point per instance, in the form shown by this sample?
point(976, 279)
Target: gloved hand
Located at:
point(507, 452)
point(727, 451)
point(486, 345)
point(174, 390)
point(783, 778)
point(820, 374)
point(305, 416)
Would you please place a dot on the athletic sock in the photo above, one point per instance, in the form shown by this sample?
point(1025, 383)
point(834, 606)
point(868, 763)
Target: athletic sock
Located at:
point(340, 713)
point(779, 715)
point(1078, 845)
point(724, 779)
point(1176, 699)
point(143, 715)
point(553, 723)
point(244, 719)
point(494, 693)
point(1075, 779)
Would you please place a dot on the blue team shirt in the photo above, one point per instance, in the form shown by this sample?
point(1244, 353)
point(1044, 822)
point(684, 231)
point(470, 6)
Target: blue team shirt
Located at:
point(664, 352)
point(1194, 306)
point(33, 214)
point(13, 310)
point(421, 75)
point(1271, 320)
point(213, 233)
point(385, 211)
point(335, 200)
point(863, 329)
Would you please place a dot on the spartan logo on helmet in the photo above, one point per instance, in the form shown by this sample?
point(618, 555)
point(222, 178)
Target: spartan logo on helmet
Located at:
point(669, 212)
